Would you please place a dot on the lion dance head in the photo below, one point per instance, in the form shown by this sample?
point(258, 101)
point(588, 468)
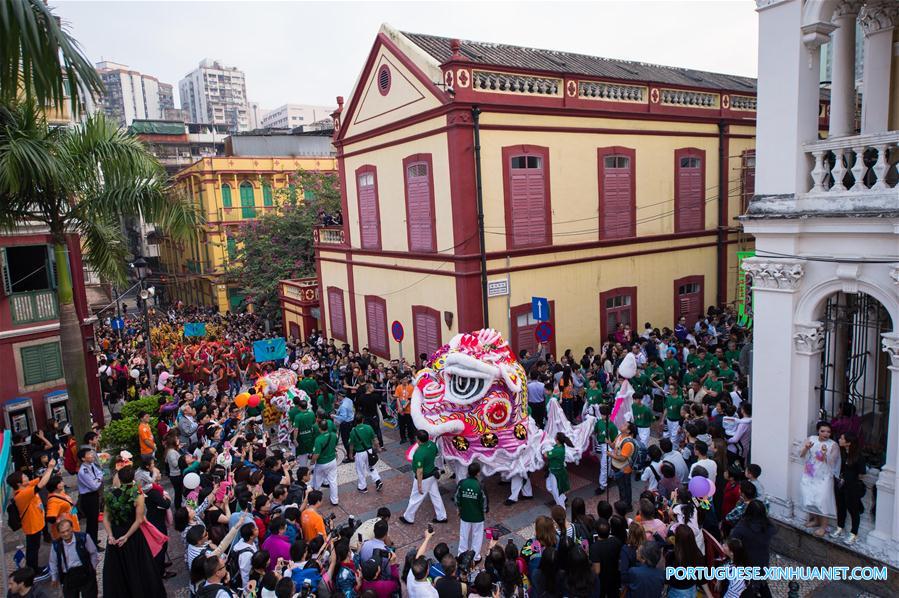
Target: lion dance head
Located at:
point(472, 396)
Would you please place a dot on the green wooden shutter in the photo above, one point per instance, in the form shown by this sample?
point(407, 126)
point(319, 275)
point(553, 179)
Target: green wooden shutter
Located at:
point(4, 273)
point(308, 195)
point(267, 199)
point(52, 356)
point(226, 196)
point(232, 248)
point(41, 363)
point(247, 201)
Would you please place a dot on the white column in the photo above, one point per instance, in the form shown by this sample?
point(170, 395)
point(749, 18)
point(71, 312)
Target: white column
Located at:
point(808, 345)
point(774, 284)
point(877, 19)
point(886, 525)
point(842, 88)
point(788, 96)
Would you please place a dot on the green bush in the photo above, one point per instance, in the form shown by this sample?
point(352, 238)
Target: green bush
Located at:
point(121, 434)
point(149, 404)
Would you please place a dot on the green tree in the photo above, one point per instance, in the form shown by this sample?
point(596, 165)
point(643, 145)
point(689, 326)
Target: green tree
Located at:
point(40, 60)
point(80, 181)
point(278, 245)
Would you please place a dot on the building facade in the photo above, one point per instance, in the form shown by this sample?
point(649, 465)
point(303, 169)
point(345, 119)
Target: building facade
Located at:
point(216, 94)
point(229, 191)
point(131, 95)
point(281, 142)
point(33, 386)
point(825, 217)
point(290, 116)
point(609, 188)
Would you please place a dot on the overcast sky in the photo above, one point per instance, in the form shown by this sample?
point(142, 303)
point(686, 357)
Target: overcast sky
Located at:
point(311, 52)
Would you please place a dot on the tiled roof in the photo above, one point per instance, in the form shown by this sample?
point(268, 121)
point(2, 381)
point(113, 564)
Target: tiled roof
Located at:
point(502, 55)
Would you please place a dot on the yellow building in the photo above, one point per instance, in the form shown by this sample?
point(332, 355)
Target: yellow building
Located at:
point(608, 187)
point(229, 191)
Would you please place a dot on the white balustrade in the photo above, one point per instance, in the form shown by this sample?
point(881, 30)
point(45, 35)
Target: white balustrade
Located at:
point(834, 159)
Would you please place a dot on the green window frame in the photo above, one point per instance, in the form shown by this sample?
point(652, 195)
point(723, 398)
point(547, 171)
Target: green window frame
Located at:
point(41, 363)
point(232, 248)
point(247, 201)
point(292, 191)
point(308, 195)
point(267, 199)
point(226, 195)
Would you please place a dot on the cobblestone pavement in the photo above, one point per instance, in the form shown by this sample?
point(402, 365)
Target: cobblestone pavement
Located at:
point(516, 522)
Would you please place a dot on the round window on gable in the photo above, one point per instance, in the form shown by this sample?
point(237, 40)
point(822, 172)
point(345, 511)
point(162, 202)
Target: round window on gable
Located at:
point(384, 79)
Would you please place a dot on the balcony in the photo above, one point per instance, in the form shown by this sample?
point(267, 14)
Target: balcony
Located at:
point(33, 306)
point(854, 173)
point(240, 213)
point(329, 236)
point(303, 291)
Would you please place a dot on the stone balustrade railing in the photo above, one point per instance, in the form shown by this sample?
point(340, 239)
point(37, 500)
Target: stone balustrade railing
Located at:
point(854, 164)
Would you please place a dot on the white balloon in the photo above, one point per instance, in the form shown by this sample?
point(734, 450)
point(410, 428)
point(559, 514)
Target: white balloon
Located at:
point(135, 373)
point(191, 481)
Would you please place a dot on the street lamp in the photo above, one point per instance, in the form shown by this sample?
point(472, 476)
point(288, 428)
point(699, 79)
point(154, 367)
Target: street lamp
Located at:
point(142, 270)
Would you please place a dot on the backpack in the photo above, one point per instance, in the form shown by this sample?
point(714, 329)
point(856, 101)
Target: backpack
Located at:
point(639, 457)
point(233, 566)
point(212, 590)
point(13, 517)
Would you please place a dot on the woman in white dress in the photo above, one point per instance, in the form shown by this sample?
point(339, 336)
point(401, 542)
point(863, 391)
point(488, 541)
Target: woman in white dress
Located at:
point(822, 464)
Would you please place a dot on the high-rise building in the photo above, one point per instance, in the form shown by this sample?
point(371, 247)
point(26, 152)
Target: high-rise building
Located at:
point(290, 116)
point(216, 94)
point(130, 94)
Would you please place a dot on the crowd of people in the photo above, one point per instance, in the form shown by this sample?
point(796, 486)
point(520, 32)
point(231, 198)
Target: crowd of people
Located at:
point(249, 506)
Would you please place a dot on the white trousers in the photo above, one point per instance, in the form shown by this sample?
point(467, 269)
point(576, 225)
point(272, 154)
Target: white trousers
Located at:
point(521, 484)
point(302, 460)
point(673, 429)
point(430, 489)
point(326, 473)
point(553, 487)
point(603, 465)
point(363, 470)
point(643, 435)
point(471, 536)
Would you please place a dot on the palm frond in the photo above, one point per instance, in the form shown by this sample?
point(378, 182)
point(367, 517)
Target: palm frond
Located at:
point(39, 58)
point(104, 245)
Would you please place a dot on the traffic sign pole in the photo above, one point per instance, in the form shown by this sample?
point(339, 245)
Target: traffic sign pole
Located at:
point(396, 330)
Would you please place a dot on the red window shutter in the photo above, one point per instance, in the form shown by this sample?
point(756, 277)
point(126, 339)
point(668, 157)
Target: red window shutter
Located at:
point(690, 193)
point(369, 227)
point(418, 192)
point(427, 332)
point(528, 201)
point(337, 314)
point(376, 321)
point(617, 218)
point(748, 171)
point(689, 298)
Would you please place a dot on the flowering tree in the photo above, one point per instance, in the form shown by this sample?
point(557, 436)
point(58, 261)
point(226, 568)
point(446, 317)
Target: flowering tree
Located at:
point(278, 245)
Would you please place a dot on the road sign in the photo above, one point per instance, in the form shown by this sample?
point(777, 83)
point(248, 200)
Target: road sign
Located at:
point(396, 329)
point(117, 323)
point(543, 332)
point(540, 308)
point(497, 288)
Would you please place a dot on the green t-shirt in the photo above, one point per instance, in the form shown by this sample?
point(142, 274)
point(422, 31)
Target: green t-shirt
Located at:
point(309, 385)
point(594, 396)
point(642, 415)
point(673, 403)
point(471, 500)
point(714, 385)
point(423, 459)
point(690, 378)
point(292, 413)
point(304, 422)
point(602, 434)
point(727, 374)
point(325, 447)
point(555, 458)
point(711, 361)
point(362, 437)
point(732, 357)
point(655, 373)
point(672, 367)
point(326, 402)
point(641, 384)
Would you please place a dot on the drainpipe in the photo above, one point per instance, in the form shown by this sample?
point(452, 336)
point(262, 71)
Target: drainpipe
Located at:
point(476, 115)
point(723, 197)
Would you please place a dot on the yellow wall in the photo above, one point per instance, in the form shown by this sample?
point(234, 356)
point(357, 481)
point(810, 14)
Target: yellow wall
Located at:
point(198, 266)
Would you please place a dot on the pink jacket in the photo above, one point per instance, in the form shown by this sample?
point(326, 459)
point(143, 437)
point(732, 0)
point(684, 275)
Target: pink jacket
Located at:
point(277, 545)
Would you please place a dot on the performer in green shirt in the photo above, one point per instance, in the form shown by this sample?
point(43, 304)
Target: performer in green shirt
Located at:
point(304, 422)
point(604, 432)
point(424, 481)
point(472, 502)
point(324, 460)
point(362, 441)
point(557, 481)
point(642, 419)
point(310, 387)
point(673, 403)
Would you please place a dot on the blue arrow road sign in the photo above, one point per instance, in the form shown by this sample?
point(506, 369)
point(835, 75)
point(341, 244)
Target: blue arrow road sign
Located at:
point(540, 308)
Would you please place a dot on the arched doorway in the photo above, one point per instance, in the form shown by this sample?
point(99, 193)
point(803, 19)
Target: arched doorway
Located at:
point(855, 381)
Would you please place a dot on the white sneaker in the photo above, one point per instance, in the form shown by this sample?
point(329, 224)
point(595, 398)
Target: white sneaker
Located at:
point(837, 533)
point(852, 539)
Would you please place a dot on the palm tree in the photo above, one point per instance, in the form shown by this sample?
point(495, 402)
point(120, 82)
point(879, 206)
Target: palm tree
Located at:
point(81, 181)
point(40, 60)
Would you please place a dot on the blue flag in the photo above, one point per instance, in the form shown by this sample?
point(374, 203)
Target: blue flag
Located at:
point(270, 349)
point(195, 329)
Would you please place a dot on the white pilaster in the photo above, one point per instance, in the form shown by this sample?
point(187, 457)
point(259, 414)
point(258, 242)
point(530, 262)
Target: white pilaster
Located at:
point(886, 523)
point(877, 18)
point(842, 88)
point(774, 285)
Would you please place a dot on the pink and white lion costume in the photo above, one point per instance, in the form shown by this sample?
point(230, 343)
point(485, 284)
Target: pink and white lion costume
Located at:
point(472, 397)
